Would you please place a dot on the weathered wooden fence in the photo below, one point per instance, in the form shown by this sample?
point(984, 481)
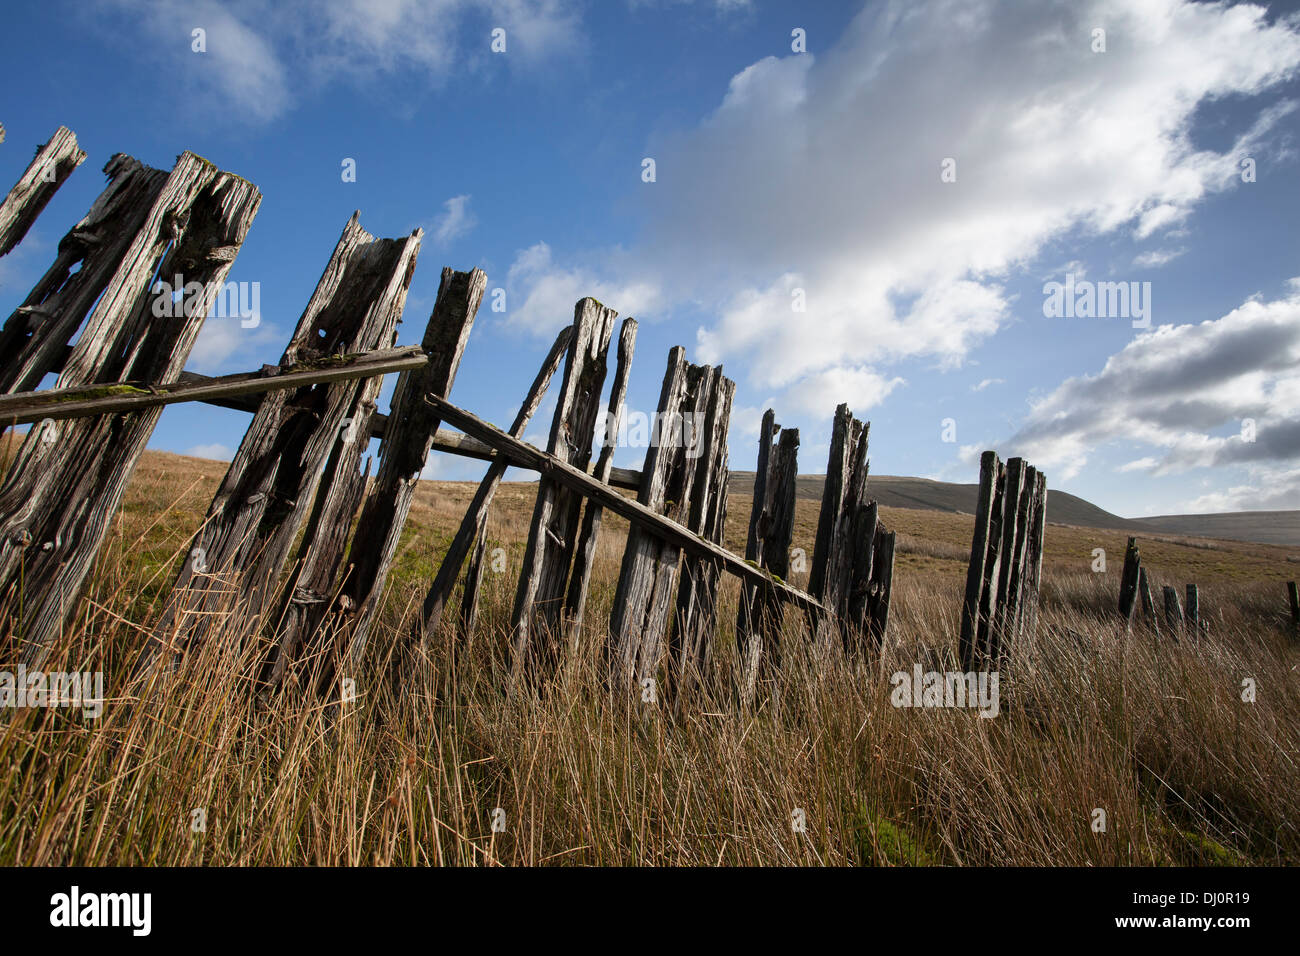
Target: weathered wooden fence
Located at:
point(298, 474)
point(1135, 588)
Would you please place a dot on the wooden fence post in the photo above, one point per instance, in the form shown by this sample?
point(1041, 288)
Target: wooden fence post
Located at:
point(536, 622)
point(403, 453)
point(1001, 601)
point(771, 530)
point(67, 481)
point(841, 530)
point(53, 164)
point(1193, 611)
point(881, 583)
point(585, 555)
point(697, 596)
point(35, 337)
point(1128, 582)
point(985, 553)
point(1173, 611)
point(269, 488)
point(1294, 595)
point(648, 575)
point(1148, 605)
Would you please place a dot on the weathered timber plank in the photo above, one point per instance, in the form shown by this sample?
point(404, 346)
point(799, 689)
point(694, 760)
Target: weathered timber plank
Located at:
point(697, 595)
point(648, 573)
point(992, 570)
point(536, 622)
point(771, 531)
point(882, 581)
point(306, 600)
point(1173, 611)
point(1293, 595)
point(57, 404)
point(1032, 575)
point(1128, 582)
point(403, 453)
point(67, 482)
point(1021, 481)
point(839, 524)
point(526, 456)
point(977, 569)
point(1193, 610)
point(474, 523)
point(858, 604)
point(34, 340)
point(575, 603)
point(1148, 605)
point(50, 169)
point(268, 490)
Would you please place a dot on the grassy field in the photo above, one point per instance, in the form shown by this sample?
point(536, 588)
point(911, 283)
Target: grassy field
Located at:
point(1152, 732)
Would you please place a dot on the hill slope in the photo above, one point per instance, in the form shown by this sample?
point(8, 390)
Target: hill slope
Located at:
point(1265, 527)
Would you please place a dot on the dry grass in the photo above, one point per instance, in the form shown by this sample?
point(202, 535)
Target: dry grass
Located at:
point(1153, 732)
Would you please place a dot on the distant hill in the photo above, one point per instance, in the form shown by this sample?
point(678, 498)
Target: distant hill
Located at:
point(1266, 527)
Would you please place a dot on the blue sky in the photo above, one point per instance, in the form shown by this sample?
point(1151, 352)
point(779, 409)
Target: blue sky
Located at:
point(776, 171)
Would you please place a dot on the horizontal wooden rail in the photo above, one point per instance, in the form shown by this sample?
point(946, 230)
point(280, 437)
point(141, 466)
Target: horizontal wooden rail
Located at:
point(526, 456)
point(243, 392)
point(24, 408)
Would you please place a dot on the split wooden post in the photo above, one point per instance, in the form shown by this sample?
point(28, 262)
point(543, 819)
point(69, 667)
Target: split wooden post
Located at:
point(1002, 581)
point(1148, 604)
point(474, 524)
point(412, 424)
point(537, 619)
point(53, 164)
point(771, 530)
point(841, 530)
point(648, 575)
point(1128, 582)
point(1031, 579)
point(195, 226)
point(34, 340)
point(268, 490)
point(585, 555)
point(985, 554)
point(1173, 611)
point(1193, 611)
point(881, 583)
point(689, 646)
point(1294, 595)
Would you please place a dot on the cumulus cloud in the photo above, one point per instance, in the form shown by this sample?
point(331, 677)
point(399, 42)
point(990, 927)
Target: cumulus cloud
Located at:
point(1224, 392)
point(819, 175)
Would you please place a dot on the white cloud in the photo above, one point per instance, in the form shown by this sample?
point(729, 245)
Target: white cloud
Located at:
point(456, 220)
point(985, 383)
point(1220, 393)
point(822, 173)
point(1156, 258)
